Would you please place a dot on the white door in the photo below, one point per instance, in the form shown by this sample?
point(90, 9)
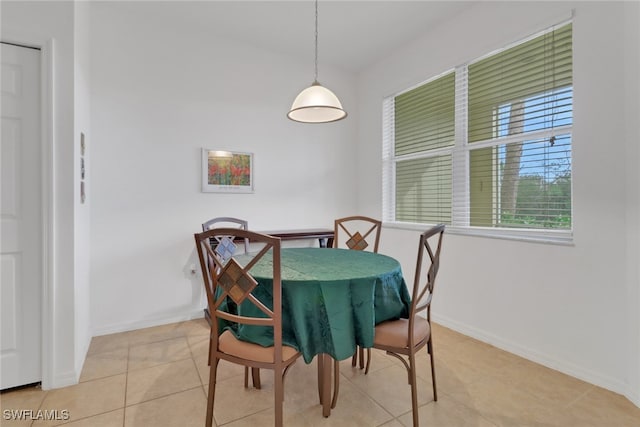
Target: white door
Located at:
point(21, 218)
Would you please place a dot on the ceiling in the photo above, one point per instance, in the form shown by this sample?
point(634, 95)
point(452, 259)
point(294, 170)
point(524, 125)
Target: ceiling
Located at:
point(352, 34)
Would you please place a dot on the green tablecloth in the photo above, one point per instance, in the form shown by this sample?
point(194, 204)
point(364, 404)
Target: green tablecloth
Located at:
point(332, 299)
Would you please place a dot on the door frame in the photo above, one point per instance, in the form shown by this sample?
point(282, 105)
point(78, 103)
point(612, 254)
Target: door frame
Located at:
point(47, 147)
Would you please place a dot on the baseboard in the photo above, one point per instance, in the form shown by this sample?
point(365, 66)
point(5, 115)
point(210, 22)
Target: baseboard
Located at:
point(64, 380)
point(147, 323)
point(563, 366)
point(634, 397)
point(82, 356)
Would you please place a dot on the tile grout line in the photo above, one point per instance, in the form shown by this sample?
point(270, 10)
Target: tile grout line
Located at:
point(158, 364)
point(46, 393)
point(470, 408)
point(580, 396)
point(159, 341)
point(190, 357)
point(242, 418)
point(89, 416)
point(163, 396)
point(361, 391)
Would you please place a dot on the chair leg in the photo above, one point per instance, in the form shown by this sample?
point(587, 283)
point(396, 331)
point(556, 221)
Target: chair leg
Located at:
point(366, 371)
point(212, 392)
point(255, 376)
point(336, 382)
point(358, 356)
point(414, 389)
point(319, 361)
point(433, 369)
point(326, 384)
point(278, 390)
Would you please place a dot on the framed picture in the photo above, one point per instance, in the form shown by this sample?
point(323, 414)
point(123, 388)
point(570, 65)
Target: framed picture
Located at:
point(226, 171)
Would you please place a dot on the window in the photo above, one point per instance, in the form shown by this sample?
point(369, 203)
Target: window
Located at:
point(486, 146)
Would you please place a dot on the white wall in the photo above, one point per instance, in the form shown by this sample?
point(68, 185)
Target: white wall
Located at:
point(573, 308)
point(43, 24)
point(160, 92)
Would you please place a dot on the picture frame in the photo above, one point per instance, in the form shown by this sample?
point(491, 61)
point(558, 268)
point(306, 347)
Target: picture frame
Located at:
point(227, 171)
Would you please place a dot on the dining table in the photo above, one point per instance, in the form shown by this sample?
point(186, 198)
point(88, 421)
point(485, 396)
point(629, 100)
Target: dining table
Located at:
point(331, 301)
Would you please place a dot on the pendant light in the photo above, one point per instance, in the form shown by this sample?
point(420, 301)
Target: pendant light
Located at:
point(316, 104)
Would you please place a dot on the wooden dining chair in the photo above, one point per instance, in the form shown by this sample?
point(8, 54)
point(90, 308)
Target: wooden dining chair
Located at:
point(405, 337)
point(222, 222)
point(229, 284)
point(225, 221)
point(353, 232)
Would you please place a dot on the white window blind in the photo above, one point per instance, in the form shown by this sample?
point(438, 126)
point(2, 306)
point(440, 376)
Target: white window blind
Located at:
point(531, 72)
point(520, 112)
point(488, 145)
point(424, 138)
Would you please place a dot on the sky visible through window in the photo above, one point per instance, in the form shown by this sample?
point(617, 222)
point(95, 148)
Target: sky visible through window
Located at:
point(540, 157)
point(543, 180)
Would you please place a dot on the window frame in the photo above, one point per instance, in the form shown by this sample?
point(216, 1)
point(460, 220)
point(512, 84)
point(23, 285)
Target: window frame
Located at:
point(460, 152)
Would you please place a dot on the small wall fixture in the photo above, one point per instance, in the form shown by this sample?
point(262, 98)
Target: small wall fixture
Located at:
point(316, 104)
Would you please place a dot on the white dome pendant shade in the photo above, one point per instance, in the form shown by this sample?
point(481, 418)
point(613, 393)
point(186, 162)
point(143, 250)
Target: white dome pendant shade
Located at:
point(316, 104)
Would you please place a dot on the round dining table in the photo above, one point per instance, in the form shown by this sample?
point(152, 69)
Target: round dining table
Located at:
point(331, 301)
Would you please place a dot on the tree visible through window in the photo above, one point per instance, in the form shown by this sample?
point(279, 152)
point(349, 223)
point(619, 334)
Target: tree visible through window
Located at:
point(535, 176)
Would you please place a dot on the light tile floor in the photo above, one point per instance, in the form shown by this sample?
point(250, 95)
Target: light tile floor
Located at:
point(158, 377)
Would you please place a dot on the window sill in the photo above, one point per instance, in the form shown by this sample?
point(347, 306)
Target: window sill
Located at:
point(552, 237)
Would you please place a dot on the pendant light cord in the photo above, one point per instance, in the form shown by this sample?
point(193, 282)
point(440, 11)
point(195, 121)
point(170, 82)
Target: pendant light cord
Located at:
point(316, 58)
point(316, 104)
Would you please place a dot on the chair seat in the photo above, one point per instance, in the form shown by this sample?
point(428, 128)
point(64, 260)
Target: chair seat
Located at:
point(395, 333)
point(229, 344)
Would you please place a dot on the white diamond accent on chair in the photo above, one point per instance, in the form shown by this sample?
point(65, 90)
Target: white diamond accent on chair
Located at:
point(226, 248)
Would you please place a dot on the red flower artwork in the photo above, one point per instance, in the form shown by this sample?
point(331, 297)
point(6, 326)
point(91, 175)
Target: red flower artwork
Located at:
point(230, 171)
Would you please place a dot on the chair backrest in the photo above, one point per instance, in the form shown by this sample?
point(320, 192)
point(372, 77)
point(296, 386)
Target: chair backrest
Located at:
point(431, 241)
point(225, 221)
point(229, 283)
point(353, 231)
